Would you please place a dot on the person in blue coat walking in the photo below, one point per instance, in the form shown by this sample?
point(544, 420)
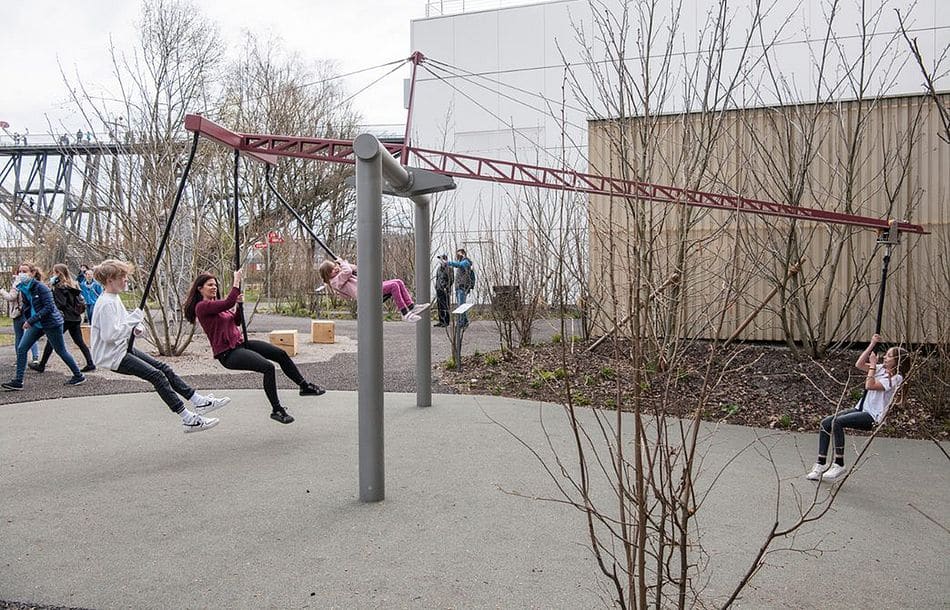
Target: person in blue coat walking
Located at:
point(91, 289)
point(43, 318)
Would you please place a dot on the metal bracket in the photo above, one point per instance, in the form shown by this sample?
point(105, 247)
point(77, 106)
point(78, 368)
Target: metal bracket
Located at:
point(891, 235)
point(421, 182)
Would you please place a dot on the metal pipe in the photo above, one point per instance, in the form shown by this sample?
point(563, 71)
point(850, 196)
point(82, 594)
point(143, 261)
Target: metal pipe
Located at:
point(369, 236)
point(423, 295)
point(401, 180)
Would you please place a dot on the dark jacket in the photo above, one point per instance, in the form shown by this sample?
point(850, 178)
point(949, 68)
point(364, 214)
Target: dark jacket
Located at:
point(443, 278)
point(44, 307)
point(65, 298)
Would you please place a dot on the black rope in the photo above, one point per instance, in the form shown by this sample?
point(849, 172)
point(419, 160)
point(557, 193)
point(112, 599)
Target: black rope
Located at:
point(168, 227)
point(880, 310)
point(299, 218)
point(237, 237)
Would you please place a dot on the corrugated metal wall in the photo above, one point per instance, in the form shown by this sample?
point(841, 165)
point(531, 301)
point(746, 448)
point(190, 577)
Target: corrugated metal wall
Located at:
point(897, 167)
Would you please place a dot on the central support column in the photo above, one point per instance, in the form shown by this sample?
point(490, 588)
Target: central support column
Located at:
point(369, 237)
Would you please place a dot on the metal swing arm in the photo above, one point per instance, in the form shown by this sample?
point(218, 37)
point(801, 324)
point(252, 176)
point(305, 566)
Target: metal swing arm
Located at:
point(267, 148)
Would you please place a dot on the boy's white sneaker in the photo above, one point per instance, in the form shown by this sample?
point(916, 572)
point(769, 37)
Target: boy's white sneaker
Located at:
point(213, 404)
point(200, 423)
point(816, 471)
point(410, 317)
point(834, 473)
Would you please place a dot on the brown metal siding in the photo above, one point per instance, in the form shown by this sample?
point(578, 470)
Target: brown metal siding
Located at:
point(918, 297)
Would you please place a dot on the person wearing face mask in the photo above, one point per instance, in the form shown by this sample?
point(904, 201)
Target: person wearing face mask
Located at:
point(69, 301)
point(43, 319)
point(16, 312)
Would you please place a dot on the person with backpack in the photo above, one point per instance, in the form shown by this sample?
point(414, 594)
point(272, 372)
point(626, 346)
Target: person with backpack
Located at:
point(464, 281)
point(69, 301)
point(43, 319)
point(443, 285)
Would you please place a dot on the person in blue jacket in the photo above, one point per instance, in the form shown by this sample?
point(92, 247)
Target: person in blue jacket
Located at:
point(43, 318)
point(91, 289)
point(464, 281)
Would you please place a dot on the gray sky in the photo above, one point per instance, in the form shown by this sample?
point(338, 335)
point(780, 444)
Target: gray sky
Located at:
point(355, 34)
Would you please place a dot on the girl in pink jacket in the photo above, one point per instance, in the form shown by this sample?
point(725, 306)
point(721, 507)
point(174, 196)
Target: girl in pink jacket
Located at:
point(341, 277)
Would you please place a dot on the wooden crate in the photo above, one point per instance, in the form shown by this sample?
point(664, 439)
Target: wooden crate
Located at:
point(285, 340)
point(86, 331)
point(322, 331)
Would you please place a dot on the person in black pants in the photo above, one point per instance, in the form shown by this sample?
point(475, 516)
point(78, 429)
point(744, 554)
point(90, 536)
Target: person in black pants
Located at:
point(221, 321)
point(443, 287)
point(68, 299)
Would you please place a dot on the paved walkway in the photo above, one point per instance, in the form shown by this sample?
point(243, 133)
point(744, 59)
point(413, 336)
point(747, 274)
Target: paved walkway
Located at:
point(104, 503)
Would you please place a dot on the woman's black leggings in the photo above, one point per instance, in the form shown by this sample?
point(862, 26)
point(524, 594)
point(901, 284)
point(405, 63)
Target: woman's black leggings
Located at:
point(257, 356)
point(76, 333)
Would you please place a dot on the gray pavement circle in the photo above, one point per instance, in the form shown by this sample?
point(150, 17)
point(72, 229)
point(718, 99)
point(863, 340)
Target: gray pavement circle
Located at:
point(106, 504)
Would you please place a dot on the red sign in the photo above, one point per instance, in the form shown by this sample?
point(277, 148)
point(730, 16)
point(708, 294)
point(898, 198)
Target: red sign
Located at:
point(260, 245)
point(274, 238)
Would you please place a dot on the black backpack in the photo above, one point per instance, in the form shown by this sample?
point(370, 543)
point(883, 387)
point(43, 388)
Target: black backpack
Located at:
point(75, 303)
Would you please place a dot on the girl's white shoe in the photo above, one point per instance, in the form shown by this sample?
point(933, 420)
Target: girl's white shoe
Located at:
point(816, 471)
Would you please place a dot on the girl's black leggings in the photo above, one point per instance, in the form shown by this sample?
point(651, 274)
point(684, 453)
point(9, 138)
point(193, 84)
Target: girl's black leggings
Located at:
point(259, 356)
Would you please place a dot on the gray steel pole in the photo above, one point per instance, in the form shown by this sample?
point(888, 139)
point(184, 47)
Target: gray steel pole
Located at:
point(423, 295)
point(399, 178)
point(369, 237)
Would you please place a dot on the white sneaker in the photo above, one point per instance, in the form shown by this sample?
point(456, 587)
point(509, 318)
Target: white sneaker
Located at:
point(420, 307)
point(201, 423)
point(213, 404)
point(834, 473)
point(816, 471)
point(410, 317)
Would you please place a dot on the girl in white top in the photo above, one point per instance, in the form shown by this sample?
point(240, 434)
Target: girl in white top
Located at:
point(112, 325)
point(881, 384)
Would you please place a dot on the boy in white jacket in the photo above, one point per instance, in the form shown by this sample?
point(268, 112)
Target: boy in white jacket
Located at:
point(111, 327)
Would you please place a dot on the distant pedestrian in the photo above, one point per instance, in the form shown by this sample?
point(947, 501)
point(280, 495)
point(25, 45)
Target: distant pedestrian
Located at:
point(464, 281)
point(89, 137)
point(443, 288)
point(91, 289)
point(44, 319)
point(16, 139)
point(881, 384)
point(79, 137)
point(70, 303)
point(17, 311)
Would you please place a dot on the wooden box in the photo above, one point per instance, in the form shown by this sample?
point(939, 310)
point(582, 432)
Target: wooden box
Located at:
point(285, 340)
point(322, 331)
point(86, 331)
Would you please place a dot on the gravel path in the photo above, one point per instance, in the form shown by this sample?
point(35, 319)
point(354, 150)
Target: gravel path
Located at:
point(332, 366)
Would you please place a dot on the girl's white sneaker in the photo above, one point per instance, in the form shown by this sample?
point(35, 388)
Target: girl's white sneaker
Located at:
point(816, 471)
point(834, 473)
point(410, 317)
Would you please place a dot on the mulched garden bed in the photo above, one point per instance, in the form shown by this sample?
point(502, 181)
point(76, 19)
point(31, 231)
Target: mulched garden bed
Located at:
point(755, 385)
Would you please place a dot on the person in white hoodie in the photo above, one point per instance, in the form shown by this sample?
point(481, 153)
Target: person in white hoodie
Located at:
point(112, 325)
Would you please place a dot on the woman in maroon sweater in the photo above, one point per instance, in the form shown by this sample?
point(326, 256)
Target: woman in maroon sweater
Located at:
point(222, 326)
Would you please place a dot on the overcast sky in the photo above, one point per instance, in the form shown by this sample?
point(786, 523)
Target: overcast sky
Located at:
point(36, 34)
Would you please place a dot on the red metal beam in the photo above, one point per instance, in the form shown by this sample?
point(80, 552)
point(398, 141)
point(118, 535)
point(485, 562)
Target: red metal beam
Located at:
point(268, 147)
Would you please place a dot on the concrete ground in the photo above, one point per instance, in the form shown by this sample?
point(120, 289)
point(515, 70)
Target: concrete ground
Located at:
point(332, 366)
point(104, 503)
